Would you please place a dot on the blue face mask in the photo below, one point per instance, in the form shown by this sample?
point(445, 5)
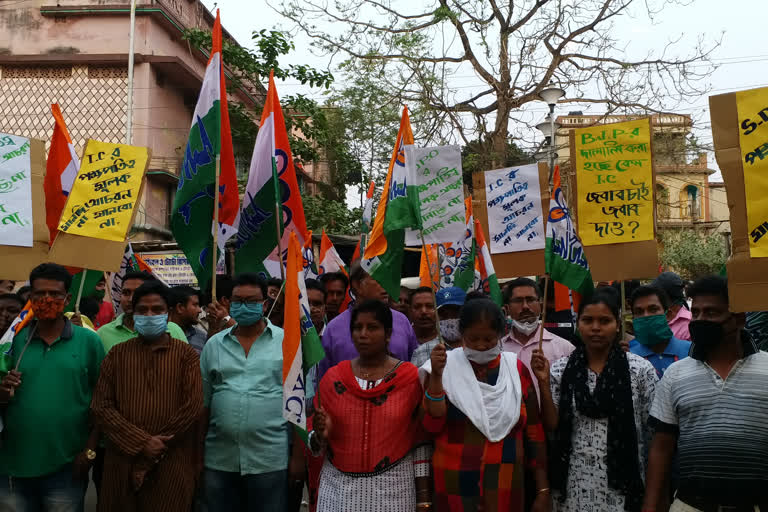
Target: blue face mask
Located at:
point(150, 326)
point(246, 313)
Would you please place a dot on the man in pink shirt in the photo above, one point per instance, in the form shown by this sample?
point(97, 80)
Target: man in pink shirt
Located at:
point(522, 302)
point(678, 316)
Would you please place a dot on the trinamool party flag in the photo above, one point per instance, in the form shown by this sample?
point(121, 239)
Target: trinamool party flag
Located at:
point(490, 283)
point(330, 261)
point(462, 253)
point(368, 208)
point(397, 210)
point(209, 137)
point(60, 172)
point(564, 256)
point(272, 173)
point(301, 344)
point(310, 268)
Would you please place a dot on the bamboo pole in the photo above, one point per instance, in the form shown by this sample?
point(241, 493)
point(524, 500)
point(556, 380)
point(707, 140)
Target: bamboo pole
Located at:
point(543, 312)
point(214, 256)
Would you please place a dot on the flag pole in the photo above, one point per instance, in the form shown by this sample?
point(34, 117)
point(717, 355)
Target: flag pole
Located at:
point(215, 258)
point(623, 305)
point(80, 291)
point(129, 105)
point(543, 312)
point(434, 296)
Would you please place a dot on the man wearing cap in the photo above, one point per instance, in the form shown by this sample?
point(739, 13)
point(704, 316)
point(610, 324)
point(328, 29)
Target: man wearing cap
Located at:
point(678, 315)
point(449, 302)
point(337, 338)
point(523, 304)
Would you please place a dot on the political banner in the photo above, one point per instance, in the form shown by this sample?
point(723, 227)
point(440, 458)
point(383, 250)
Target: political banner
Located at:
point(105, 191)
point(614, 179)
point(173, 268)
point(513, 199)
point(752, 108)
point(15, 191)
point(437, 174)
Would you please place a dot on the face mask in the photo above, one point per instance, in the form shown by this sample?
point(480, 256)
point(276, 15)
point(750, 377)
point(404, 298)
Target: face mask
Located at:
point(706, 333)
point(526, 328)
point(651, 330)
point(246, 313)
point(449, 329)
point(98, 294)
point(47, 308)
point(482, 356)
point(150, 326)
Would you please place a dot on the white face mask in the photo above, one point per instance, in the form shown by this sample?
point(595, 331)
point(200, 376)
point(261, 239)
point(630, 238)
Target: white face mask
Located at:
point(482, 356)
point(526, 328)
point(449, 330)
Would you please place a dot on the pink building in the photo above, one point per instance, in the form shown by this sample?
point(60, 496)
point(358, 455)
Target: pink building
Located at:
point(75, 52)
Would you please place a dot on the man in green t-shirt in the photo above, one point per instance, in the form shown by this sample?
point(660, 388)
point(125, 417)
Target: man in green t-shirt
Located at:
point(48, 444)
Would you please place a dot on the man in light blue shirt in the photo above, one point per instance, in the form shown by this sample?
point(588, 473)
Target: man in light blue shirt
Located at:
point(247, 441)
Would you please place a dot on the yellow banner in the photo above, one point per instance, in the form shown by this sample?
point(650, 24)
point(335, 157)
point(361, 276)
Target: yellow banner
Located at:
point(105, 191)
point(614, 181)
point(752, 107)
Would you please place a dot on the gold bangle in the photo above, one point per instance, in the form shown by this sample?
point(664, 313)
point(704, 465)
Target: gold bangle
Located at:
point(542, 491)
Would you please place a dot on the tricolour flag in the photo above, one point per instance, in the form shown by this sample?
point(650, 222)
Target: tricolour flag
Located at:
point(209, 137)
point(462, 253)
point(397, 210)
point(564, 256)
point(308, 253)
point(429, 271)
point(21, 321)
point(272, 174)
point(301, 344)
point(490, 282)
point(330, 261)
point(60, 172)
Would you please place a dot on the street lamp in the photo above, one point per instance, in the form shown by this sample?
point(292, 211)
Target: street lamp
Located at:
point(550, 95)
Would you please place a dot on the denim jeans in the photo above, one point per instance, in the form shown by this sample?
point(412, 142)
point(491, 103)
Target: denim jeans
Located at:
point(233, 492)
point(56, 492)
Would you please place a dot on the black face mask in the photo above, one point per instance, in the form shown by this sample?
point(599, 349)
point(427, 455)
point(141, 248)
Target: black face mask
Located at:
point(706, 333)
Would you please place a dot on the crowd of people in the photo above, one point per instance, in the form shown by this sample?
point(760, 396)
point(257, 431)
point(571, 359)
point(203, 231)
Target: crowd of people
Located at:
point(435, 401)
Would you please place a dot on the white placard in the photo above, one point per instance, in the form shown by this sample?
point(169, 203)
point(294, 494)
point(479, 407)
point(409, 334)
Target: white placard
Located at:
point(515, 220)
point(436, 171)
point(15, 191)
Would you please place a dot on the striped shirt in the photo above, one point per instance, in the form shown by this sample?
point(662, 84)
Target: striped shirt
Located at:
point(144, 390)
point(721, 424)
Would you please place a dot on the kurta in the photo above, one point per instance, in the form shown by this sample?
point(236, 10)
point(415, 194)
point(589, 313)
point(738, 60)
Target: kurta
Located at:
point(146, 390)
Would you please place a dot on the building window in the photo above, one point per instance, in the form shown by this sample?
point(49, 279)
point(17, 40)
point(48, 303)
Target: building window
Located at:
point(662, 201)
point(690, 203)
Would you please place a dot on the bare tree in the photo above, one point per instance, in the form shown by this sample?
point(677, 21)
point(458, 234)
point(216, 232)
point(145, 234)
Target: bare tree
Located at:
point(513, 50)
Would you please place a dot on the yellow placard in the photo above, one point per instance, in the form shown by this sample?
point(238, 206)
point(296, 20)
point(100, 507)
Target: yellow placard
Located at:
point(105, 191)
point(614, 182)
point(752, 108)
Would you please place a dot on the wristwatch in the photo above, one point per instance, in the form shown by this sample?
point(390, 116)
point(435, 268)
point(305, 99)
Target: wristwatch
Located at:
point(90, 454)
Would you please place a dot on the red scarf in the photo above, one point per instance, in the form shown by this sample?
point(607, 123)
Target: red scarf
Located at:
point(371, 429)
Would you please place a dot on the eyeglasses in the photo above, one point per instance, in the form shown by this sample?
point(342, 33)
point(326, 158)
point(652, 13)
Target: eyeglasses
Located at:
point(237, 300)
point(518, 301)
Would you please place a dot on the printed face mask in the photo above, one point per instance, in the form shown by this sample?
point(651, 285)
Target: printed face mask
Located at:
point(449, 330)
point(246, 313)
point(150, 326)
point(48, 308)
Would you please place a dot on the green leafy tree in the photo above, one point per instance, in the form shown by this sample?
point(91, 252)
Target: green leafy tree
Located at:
point(693, 254)
point(333, 216)
point(475, 159)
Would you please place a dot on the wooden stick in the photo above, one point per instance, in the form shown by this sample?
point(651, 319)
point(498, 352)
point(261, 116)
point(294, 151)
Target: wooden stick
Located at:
point(543, 312)
point(269, 315)
point(434, 296)
point(80, 291)
point(621, 311)
point(215, 251)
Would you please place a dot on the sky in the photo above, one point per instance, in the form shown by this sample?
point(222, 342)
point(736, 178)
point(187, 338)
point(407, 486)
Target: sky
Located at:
point(742, 58)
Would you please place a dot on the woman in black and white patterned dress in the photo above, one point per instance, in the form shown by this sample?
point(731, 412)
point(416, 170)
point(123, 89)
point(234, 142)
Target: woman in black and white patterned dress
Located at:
point(596, 403)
